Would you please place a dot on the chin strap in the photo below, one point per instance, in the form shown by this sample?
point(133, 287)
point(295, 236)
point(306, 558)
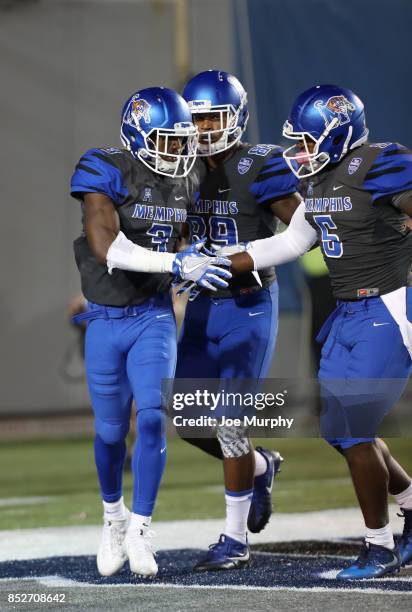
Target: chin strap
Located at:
point(347, 141)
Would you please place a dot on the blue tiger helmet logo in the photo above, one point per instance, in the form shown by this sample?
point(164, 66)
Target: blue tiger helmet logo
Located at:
point(325, 122)
point(137, 109)
point(150, 118)
point(336, 107)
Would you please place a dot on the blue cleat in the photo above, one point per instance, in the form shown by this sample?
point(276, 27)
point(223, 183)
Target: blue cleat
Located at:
point(226, 554)
point(261, 507)
point(405, 540)
point(373, 562)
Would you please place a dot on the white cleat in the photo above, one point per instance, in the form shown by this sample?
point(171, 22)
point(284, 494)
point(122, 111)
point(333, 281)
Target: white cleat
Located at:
point(111, 555)
point(140, 552)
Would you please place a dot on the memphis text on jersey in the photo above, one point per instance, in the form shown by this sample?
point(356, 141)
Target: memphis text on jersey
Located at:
point(159, 213)
point(328, 204)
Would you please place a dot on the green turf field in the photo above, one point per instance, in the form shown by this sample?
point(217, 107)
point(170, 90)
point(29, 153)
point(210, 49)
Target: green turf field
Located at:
point(313, 478)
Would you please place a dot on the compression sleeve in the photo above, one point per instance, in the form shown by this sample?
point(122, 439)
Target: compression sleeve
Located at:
point(298, 238)
point(126, 255)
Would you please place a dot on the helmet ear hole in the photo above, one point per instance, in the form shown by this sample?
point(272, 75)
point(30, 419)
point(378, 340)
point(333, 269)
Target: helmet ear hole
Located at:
point(337, 140)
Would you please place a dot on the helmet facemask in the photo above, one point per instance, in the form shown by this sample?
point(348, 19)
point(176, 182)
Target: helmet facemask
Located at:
point(212, 142)
point(169, 152)
point(307, 154)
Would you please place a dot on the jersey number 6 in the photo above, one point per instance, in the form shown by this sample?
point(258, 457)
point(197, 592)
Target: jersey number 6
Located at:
point(331, 245)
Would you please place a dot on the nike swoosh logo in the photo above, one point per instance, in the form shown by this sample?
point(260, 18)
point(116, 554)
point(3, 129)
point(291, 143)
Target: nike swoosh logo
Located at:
point(223, 190)
point(338, 187)
point(177, 198)
point(255, 314)
point(379, 324)
point(162, 450)
point(388, 565)
point(187, 270)
point(240, 556)
point(161, 316)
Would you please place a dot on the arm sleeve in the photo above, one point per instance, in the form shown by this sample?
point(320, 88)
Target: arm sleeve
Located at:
point(298, 238)
point(126, 255)
point(274, 180)
point(391, 172)
point(97, 172)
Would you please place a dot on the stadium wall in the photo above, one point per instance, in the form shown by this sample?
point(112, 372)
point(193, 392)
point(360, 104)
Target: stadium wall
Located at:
point(66, 68)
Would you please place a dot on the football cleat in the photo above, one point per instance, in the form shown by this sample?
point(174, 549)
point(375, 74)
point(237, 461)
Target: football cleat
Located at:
point(226, 554)
point(111, 555)
point(405, 540)
point(261, 506)
point(373, 562)
point(140, 552)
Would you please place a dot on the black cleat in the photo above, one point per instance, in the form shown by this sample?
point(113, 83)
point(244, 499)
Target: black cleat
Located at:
point(261, 507)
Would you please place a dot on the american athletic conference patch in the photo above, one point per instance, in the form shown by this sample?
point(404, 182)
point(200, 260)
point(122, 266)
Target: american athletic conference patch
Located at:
point(354, 165)
point(244, 165)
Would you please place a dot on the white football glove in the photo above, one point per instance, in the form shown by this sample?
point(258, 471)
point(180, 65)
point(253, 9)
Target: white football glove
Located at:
point(190, 265)
point(231, 250)
point(204, 270)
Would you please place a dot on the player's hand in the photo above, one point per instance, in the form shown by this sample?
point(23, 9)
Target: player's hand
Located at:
point(228, 249)
point(193, 265)
point(232, 249)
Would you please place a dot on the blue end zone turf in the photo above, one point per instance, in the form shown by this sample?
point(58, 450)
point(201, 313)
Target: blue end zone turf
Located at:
point(175, 568)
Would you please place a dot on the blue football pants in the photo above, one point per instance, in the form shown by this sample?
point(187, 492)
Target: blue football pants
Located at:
point(127, 357)
point(229, 337)
point(364, 369)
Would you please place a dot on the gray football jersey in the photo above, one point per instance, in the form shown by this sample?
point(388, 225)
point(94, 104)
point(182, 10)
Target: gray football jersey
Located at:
point(364, 239)
point(151, 210)
point(232, 203)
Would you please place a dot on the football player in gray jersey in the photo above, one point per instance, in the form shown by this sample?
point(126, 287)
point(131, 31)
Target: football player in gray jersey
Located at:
point(232, 334)
point(134, 203)
point(358, 205)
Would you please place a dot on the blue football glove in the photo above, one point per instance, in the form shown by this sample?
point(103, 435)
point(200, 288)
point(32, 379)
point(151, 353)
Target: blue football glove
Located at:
point(204, 270)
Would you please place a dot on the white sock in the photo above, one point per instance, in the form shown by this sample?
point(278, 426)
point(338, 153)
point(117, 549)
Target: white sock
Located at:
point(261, 465)
point(404, 499)
point(138, 521)
point(381, 537)
point(237, 510)
point(115, 511)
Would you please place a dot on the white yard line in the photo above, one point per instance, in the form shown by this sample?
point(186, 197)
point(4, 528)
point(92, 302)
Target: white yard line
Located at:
point(60, 582)
point(55, 541)
point(25, 501)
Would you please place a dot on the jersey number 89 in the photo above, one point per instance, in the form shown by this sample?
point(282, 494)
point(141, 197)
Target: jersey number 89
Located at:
point(223, 230)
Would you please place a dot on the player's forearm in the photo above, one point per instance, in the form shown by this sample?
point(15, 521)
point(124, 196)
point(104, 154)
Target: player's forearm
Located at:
point(110, 246)
point(279, 249)
point(100, 241)
point(101, 223)
point(265, 253)
point(126, 255)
